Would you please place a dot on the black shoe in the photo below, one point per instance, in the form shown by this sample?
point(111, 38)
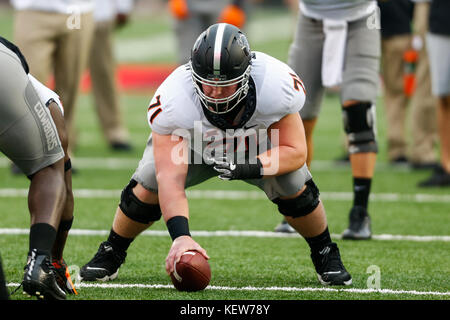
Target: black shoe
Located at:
point(424, 165)
point(104, 265)
point(284, 227)
point(329, 267)
point(400, 160)
point(39, 279)
point(121, 146)
point(439, 178)
point(359, 228)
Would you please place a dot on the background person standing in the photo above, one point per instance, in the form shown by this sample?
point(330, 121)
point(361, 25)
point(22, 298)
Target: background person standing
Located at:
point(108, 15)
point(55, 38)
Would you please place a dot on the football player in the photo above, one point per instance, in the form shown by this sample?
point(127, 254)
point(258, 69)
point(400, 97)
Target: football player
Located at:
point(233, 113)
point(33, 136)
point(337, 43)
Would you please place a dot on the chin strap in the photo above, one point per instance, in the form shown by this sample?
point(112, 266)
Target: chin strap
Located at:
point(247, 106)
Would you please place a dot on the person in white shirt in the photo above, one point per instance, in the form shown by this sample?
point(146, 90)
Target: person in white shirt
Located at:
point(232, 113)
point(55, 37)
point(108, 15)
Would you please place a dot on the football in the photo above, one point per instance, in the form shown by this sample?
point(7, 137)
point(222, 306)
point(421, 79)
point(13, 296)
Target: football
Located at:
point(191, 273)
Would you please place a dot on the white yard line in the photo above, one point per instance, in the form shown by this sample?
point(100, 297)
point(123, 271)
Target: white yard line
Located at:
point(250, 288)
point(247, 195)
point(237, 233)
point(112, 163)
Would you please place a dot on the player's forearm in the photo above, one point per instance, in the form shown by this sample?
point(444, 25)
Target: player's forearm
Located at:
point(281, 160)
point(170, 175)
point(174, 208)
point(173, 201)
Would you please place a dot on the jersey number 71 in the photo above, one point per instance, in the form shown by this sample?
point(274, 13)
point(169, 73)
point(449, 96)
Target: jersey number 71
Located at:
point(297, 82)
point(153, 106)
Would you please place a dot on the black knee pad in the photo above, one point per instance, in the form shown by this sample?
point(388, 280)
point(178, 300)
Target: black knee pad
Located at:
point(359, 124)
point(135, 209)
point(302, 205)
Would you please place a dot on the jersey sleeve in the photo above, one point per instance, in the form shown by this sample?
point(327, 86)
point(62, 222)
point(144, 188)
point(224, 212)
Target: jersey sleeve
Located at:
point(281, 90)
point(295, 93)
point(172, 108)
point(159, 114)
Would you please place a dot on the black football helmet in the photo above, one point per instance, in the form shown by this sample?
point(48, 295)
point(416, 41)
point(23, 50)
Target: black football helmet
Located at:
point(221, 57)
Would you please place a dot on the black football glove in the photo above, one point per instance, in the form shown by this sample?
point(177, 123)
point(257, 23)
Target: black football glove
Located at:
point(236, 171)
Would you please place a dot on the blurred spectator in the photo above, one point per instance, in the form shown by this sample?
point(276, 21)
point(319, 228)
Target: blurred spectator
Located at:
point(108, 15)
point(192, 17)
point(406, 78)
point(55, 37)
point(438, 41)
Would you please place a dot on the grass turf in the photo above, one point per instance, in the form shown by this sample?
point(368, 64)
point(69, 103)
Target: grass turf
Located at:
point(245, 261)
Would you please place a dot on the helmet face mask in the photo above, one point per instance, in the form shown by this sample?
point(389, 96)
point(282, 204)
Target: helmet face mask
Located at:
point(225, 104)
point(221, 58)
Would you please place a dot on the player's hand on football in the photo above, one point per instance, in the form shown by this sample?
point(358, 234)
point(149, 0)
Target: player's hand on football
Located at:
point(179, 246)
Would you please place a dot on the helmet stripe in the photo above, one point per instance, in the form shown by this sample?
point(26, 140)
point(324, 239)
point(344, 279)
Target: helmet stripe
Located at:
point(218, 48)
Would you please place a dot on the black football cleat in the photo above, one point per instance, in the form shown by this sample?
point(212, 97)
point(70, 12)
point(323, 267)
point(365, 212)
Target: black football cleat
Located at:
point(284, 227)
point(39, 279)
point(104, 265)
point(121, 146)
point(63, 277)
point(329, 267)
point(439, 178)
point(359, 228)
point(400, 160)
point(424, 165)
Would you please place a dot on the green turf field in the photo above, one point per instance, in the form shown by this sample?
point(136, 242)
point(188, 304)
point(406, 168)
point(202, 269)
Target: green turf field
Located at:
point(411, 230)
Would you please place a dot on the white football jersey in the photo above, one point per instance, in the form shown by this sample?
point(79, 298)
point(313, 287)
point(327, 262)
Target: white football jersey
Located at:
point(176, 109)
